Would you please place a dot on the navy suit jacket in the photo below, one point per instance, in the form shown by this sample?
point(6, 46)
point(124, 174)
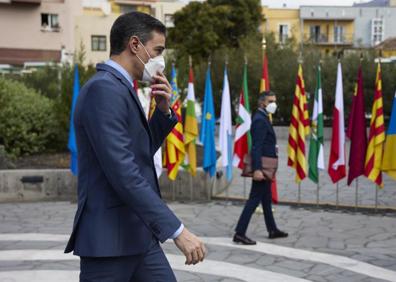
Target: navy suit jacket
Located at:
point(120, 209)
point(263, 139)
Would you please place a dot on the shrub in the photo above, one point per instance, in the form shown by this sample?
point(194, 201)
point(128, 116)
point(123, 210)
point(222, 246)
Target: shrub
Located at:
point(27, 119)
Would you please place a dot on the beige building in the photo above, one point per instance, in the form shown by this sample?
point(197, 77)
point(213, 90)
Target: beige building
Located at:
point(92, 29)
point(36, 31)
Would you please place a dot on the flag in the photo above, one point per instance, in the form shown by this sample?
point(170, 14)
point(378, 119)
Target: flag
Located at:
point(389, 160)
point(336, 168)
point(72, 145)
point(158, 155)
point(174, 154)
point(376, 142)
point(264, 82)
point(243, 140)
point(299, 128)
point(265, 86)
point(358, 133)
point(191, 128)
point(207, 137)
point(225, 132)
point(316, 153)
point(350, 119)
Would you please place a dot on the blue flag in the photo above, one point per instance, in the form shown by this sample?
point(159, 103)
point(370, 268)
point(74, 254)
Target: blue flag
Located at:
point(72, 134)
point(175, 91)
point(207, 137)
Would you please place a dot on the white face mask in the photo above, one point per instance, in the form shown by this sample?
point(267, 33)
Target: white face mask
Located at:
point(271, 108)
point(152, 67)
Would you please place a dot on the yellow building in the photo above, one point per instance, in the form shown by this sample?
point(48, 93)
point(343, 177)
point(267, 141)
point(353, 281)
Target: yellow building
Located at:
point(283, 23)
point(329, 30)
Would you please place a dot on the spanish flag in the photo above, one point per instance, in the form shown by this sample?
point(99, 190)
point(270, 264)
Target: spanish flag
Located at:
point(299, 129)
point(389, 160)
point(372, 168)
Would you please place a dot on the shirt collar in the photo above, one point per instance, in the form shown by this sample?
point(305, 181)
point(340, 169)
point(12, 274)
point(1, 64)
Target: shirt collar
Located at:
point(119, 68)
point(263, 111)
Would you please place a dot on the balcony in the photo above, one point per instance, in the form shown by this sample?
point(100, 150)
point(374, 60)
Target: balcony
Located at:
point(32, 2)
point(325, 39)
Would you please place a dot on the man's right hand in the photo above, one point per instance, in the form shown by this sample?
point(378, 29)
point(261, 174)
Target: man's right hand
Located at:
point(191, 246)
point(258, 175)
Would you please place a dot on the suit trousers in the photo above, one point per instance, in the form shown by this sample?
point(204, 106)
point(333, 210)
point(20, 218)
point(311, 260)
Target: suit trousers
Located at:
point(151, 266)
point(260, 192)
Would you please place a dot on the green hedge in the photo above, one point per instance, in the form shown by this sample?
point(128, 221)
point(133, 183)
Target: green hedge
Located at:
point(27, 119)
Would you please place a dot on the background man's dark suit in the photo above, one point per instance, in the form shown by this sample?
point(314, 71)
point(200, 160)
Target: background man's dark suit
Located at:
point(120, 212)
point(263, 144)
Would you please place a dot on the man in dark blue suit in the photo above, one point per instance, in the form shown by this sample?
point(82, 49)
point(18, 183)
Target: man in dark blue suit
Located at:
point(121, 217)
point(263, 145)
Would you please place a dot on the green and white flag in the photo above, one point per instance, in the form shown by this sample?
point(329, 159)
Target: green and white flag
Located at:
point(316, 153)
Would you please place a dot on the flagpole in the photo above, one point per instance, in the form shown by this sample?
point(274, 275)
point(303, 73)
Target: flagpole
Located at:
point(376, 197)
point(244, 187)
point(191, 188)
point(356, 193)
point(317, 194)
point(211, 188)
point(173, 191)
point(337, 196)
point(299, 194)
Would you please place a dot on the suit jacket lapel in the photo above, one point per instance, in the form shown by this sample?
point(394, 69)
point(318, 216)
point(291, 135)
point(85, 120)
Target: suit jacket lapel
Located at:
point(132, 91)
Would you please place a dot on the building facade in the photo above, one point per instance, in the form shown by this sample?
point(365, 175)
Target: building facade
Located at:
point(36, 31)
point(357, 27)
point(92, 30)
point(283, 23)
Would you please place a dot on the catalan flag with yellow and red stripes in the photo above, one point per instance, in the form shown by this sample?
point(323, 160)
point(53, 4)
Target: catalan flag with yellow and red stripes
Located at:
point(372, 168)
point(299, 129)
point(175, 151)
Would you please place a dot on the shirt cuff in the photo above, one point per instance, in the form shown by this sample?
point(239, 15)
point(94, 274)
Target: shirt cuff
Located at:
point(178, 232)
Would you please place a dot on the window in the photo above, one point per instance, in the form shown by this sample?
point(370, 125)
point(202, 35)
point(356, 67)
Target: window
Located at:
point(98, 43)
point(377, 31)
point(127, 8)
point(168, 20)
point(50, 22)
point(338, 34)
point(315, 33)
point(283, 33)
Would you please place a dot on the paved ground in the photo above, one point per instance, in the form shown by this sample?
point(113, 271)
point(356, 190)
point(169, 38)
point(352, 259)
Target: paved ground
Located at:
point(323, 246)
point(288, 189)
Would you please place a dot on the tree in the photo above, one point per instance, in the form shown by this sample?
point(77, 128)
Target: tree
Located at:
point(203, 27)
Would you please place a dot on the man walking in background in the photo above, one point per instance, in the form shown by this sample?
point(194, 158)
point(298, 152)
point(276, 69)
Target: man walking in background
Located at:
point(121, 217)
point(263, 145)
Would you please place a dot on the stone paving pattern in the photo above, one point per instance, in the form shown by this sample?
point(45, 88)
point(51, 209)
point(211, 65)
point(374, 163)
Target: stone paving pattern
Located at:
point(364, 237)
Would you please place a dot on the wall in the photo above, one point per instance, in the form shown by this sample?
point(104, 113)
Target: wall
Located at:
point(362, 19)
point(92, 24)
point(276, 17)
point(21, 25)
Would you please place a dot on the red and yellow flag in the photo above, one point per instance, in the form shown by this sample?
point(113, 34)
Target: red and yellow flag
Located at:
point(175, 151)
point(372, 168)
point(299, 129)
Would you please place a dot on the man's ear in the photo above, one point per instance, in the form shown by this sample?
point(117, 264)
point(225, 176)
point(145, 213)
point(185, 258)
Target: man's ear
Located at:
point(133, 44)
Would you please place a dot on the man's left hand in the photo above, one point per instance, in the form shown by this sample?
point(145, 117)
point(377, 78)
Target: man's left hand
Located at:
point(162, 92)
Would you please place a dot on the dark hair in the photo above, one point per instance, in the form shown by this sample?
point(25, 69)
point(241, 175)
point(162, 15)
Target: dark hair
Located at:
point(133, 24)
point(265, 94)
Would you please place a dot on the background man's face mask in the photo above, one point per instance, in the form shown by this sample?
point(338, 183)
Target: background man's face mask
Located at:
point(152, 67)
point(271, 108)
